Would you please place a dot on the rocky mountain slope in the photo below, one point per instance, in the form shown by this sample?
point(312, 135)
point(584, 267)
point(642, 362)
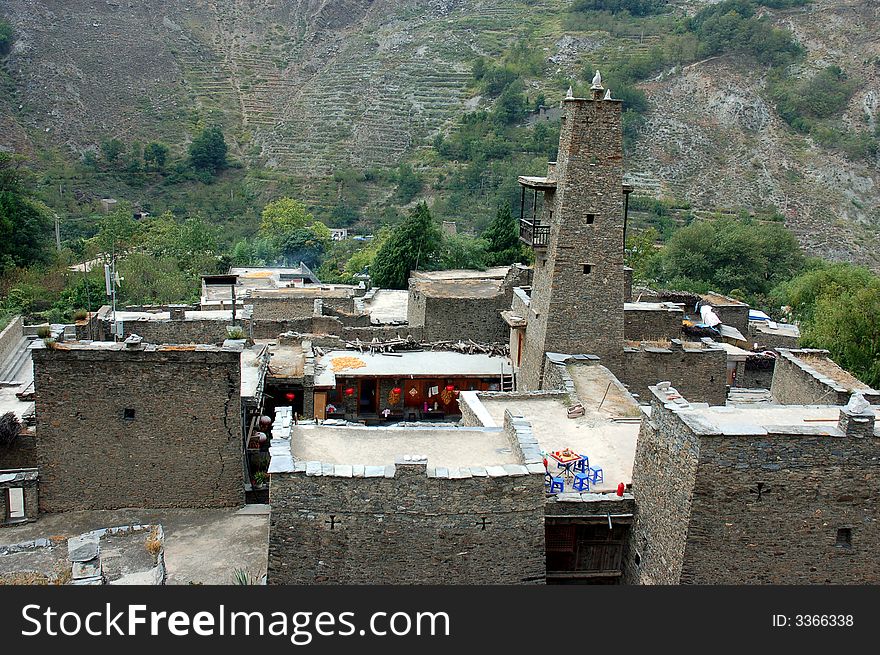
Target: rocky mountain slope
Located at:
point(306, 86)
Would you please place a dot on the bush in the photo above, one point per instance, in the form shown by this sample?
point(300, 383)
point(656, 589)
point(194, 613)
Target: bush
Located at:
point(44, 332)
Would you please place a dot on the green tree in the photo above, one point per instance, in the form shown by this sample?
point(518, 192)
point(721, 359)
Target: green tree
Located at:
point(634, 7)
point(294, 233)
point(461, 251)
point(155, 155)
point(414, 243)
point(408, 184)
point(728, 254)
point(112, 149)
point(838, 308)
point(207, 152)
point(5, 37)
point(118, 231)
point(25, 222)
point(502, 238)
point(641, 253)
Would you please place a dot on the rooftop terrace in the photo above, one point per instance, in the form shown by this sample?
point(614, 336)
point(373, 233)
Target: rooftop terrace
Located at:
point(451, 447)
point(351, 363)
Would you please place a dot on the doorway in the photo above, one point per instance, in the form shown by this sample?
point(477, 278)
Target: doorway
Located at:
point(15, 503)
point(368, 397)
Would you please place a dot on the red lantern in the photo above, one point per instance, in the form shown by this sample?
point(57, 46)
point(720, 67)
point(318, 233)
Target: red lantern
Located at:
point(290, 396)
point(349, 391)
point(620, 489)
point(450, 387)
point(396, 390)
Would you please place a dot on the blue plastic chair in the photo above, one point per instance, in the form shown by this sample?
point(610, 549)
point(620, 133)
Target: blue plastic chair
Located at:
point(557, 484)
point(598, 475)
point(583, 464)
point(581, 482)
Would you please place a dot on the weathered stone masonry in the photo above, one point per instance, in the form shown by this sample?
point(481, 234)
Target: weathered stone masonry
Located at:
point(775, 505)
point(138, 428)
point(406, 529)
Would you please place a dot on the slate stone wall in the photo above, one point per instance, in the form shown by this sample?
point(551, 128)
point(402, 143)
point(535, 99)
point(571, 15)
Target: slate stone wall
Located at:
point(699, 374)
point(573, 309)
point(652, 324)
point(735, 316)
point(664, 470)
point(22, 454)
point(10, 337)
point(406, 529)
point(757, 373)
point(795, 382)
point(182, 448)
point(772, 507)
point(208, 331)
point(772, 341)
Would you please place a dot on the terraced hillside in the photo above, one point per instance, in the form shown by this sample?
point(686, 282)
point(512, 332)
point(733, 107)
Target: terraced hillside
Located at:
point(307, 86)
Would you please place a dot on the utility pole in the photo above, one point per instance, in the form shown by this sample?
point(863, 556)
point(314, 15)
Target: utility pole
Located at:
point(57, 233)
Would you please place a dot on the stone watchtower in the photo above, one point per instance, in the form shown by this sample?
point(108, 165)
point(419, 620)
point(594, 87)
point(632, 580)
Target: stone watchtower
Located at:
point(577, 296)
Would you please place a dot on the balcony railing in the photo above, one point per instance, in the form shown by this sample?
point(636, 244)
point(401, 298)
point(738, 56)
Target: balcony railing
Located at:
point(534, 234)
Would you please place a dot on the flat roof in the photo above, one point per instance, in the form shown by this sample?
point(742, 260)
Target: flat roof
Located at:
point(286, 360)
point(206, 315)
point(465, 288)
point(252, 370)
point(534, 182)
point(714, 298)
point(761, 419)
point(780, 329)
point(653, 307)
point(494, 272)
point(388, 306)
point(820, 362)
point(609, 445)
point(453, 447)
point(323, 291)
point(434, 363)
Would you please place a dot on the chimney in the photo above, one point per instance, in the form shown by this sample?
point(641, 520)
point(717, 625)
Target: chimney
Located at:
point(178, 312)
point(857, 418)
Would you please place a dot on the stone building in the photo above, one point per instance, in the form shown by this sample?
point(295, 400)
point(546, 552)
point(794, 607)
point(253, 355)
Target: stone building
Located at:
point(759, 495)
point(578, 285)
point(464, 305)
point(810, 377)
point(134, 425)
point(349, 507)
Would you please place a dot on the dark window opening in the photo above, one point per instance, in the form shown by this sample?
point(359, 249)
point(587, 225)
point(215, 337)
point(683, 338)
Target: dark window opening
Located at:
point(844, 538)
point(591, 218)
point(588, 268)
point(128, 414)
point(638, 559)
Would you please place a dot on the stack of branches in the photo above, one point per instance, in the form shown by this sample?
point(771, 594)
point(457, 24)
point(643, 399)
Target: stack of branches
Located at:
point(10, 426)
point(411, 345)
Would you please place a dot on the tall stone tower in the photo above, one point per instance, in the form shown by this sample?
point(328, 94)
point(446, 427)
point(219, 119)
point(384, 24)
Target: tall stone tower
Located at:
point(577, 295)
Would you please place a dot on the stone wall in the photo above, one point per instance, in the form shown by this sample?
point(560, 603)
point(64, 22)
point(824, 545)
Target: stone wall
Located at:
point(664, 469)
point(210, 331)
point(406, 527)
point(22, 454)
point(282, 309)
point(578, 287)
point(699, 373)
point(735, 316)
point(643, 324)
point(138, 428)
point(795, 382)
point(757, 372)
point(771, 340)
point(710, 505)
point(10, 337)
point(478, 319)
